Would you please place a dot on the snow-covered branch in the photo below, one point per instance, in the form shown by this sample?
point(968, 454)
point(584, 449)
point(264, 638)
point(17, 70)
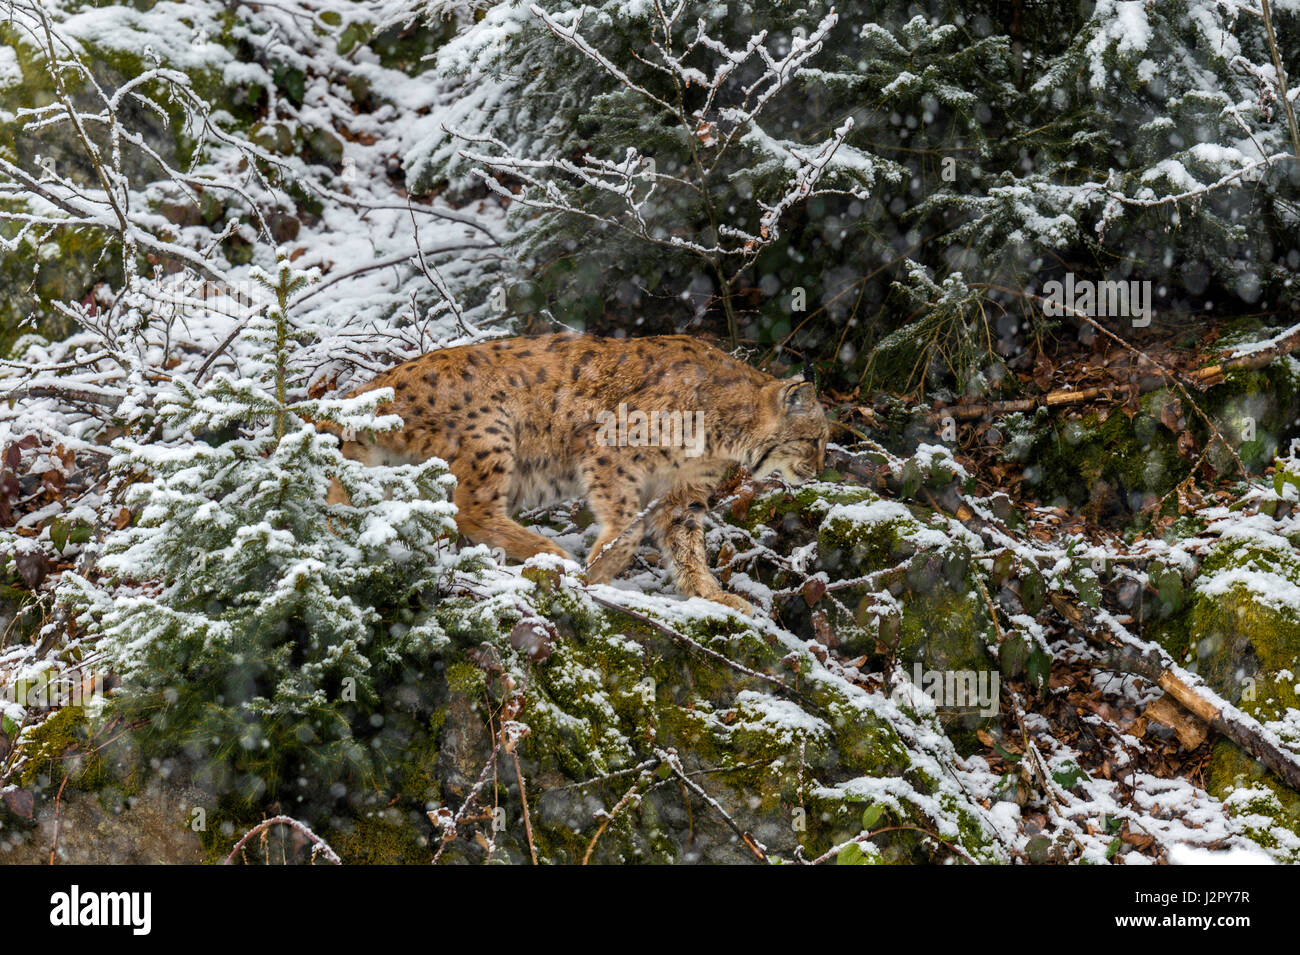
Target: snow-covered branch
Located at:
point(711, 95)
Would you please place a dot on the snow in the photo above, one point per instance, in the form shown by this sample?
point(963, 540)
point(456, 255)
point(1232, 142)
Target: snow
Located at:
point(1194, 855)
point(1271, 589)
point(877, 512)
point(787, 718)
point(1124, 28)
point(10, 72)
point(143, 32)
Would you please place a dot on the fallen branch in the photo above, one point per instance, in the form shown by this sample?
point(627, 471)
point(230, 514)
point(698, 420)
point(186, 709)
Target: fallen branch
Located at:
point(523, 799)
point(1200, 378)
point(1254, 356)
point(451, 826)
point(1059, 398)
point(1207, 377)
point(82, 394)
point(629, 797)
point(835, 850)
point(1126, 654)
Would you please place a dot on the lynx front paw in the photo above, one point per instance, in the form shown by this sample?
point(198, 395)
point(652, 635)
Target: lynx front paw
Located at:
point(734, 602)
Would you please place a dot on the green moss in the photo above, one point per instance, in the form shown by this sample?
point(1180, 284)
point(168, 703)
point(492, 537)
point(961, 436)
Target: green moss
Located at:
point(1175, 635)
point(1255, 410)
point(850, 546)
point(1118, 463)
point(1267, 810)
point(384, 837)
point(1248, 650)
point(613, 688)
point(612, 692)
point(465, 679)
point(57, 750)
point(944, 622)
point(804, 507)
point(1076, 458)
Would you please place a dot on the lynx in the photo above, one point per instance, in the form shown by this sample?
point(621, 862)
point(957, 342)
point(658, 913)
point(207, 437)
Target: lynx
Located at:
point(642, 428)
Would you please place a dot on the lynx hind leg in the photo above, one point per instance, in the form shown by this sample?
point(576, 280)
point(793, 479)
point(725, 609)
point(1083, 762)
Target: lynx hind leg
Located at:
point(620, 535)
point(615, 501)
point(679, 527)
point(481, 515)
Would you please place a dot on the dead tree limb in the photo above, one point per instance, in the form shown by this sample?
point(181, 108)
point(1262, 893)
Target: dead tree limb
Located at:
point(1059, 398)
point(1200, 378)
point(79, 394)
point(1283, 95)
point(1260, 357)
point(756, 848)
point(1126, 654)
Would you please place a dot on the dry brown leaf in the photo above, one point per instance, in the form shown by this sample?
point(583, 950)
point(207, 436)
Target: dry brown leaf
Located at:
point(813, 591)
point(1171, 414)
point(825, 633)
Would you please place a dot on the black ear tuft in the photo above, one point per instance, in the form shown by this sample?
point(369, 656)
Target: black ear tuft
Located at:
point(798, 397)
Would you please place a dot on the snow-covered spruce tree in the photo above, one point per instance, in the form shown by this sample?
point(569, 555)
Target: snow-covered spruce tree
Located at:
point(951, 338)
point(666, 159)
point(257, 629)
point(1152, 143)
point(1155, 145)
point(1127, 140)
point(189, 138)
point(921, 91)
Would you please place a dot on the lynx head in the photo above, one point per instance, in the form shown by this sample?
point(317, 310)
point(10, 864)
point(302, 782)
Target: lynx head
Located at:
point(790, 439)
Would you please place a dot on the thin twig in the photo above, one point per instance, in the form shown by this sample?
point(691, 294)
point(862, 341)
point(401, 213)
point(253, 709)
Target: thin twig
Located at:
point(628, 797)
point(54, 848)
point(695, 645)
point(669, 759)
point(523, 798)
point(318, 844)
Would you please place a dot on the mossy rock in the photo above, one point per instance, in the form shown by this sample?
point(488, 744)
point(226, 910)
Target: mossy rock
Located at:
point(798, 511)
point(56, 750)
point(1255, 409)
point(866, 536)
point(1105, 460)
point(944, 622)
point(1247, 645)
point(791, 770)
point(1111, 465)
point(937, 618)
point(387, 836)
point(151, 827)
point(1267, 810)
point(611, 704)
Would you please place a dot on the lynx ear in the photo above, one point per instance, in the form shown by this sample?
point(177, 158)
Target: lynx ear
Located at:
point(798, 396)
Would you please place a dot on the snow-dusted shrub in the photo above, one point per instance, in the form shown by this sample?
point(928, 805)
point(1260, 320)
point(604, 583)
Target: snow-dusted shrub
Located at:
point(253, 624)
